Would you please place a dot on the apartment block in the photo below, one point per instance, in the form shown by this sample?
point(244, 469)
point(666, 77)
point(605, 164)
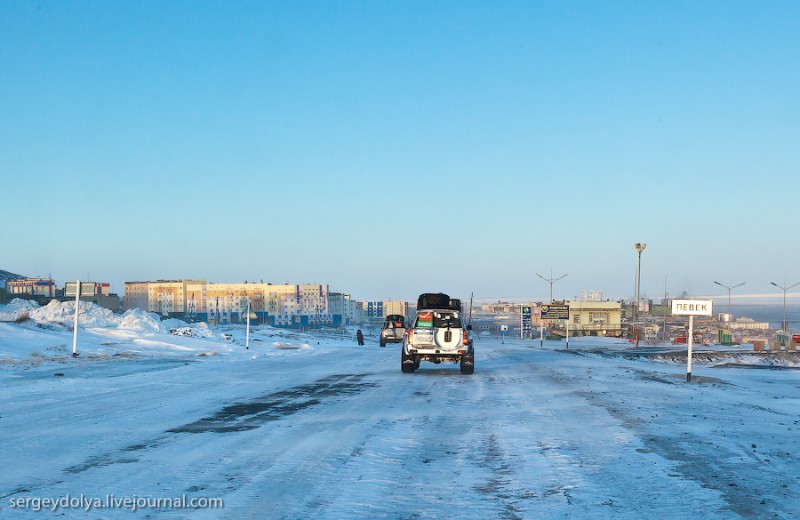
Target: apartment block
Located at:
point(165, 297)
point(376, 311)
point(135, 296)
point(283, 305)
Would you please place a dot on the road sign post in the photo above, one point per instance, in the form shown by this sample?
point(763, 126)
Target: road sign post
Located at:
point(557, 312)
point(75, 324)
point(247, 332)
point(691, 308)
point(541, 333)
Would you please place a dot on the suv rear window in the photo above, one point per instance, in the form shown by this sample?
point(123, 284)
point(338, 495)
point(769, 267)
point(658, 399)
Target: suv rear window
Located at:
point(428, 320)
point(443, 320)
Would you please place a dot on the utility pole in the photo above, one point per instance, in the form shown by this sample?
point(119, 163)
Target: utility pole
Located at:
point(551, 281)
point(785, 324)
point(639, 248)
point(730, 288)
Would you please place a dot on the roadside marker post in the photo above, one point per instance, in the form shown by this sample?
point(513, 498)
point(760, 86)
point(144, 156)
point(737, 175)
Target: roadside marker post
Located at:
point(689, 354)
point(691, 308)
point(75, 323)
point(247, 332)
point(541, 333)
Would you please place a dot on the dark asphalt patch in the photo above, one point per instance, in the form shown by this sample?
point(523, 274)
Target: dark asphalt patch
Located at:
point(271, 407)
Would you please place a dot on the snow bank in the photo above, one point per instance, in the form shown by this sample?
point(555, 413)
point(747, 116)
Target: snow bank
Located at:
point(138, 320)
point(92, 315)
point(63, 313)
point(16, 309)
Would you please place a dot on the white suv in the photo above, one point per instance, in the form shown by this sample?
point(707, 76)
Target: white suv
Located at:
point(437, 335)
point(394, 329)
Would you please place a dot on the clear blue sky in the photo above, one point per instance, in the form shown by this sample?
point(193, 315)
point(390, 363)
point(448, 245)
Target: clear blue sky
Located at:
point(392, 148)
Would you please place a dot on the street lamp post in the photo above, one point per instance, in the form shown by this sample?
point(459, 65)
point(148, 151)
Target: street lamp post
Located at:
point(730, 288)
point(784, 289)
point(551, 281)
point(639, 248)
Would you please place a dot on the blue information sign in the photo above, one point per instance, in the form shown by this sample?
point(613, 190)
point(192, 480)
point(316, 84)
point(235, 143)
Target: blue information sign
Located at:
point(526, 321)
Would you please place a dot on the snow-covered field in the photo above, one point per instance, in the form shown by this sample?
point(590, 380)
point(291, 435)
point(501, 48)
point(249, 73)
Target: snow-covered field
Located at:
point(313, 426)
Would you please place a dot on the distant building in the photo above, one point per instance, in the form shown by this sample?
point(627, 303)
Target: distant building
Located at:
point(395, 307)
point(285, 305)
point(227, 302)
point(747, 324)
point(196, 300)
point(5, 277)
point(502, 307)
point(337, 305)
point(43, 287)
point(592, 318)
point(168, 297)
point(165, 297)
point(353, 312)
point(373, 311)
point(135, 296)
point(376, 311)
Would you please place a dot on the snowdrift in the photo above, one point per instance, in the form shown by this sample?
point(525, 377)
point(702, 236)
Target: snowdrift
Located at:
point(92, 315)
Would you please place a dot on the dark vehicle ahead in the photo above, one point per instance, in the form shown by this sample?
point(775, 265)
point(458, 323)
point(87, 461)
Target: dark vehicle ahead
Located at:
point(438, 335)
point(394, 329)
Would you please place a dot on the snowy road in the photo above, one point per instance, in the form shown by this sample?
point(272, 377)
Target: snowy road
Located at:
point(337, 431)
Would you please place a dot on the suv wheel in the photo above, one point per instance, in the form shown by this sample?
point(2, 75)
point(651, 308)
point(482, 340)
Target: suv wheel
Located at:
point(468, 363)
point(383, 343)
point(407, 363)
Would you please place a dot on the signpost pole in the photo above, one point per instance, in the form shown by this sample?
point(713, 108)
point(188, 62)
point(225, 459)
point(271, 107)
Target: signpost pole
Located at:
point(75, 324)
point(691, 308)
point(568, 331)
point(541, 332)
point(689, 354)
point(247, 333)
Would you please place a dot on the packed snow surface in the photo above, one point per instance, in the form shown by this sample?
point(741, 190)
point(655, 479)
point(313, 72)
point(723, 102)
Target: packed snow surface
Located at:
point(313, 426)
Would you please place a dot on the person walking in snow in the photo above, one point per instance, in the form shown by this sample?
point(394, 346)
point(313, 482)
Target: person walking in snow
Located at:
point(360, 338)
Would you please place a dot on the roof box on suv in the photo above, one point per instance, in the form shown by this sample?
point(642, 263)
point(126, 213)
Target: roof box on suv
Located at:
point(433, 301)
point(437, 301)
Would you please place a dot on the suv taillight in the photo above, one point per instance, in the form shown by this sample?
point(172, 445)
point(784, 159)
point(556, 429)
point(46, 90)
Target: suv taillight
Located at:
point(466, 337)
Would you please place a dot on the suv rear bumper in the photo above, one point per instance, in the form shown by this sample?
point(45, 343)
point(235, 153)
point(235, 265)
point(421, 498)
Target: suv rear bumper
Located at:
point(436, 355)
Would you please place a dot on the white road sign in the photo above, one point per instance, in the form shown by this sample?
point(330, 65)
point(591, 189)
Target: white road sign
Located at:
point(691, 307)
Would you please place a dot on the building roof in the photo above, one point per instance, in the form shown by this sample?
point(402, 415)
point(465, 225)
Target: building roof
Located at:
point(5, 275)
